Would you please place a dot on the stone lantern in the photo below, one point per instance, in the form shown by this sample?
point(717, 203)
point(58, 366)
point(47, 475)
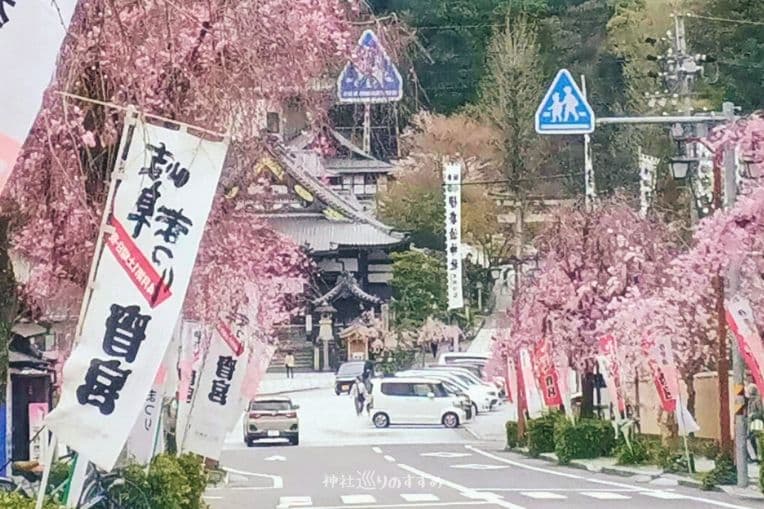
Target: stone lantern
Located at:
point(325, 334)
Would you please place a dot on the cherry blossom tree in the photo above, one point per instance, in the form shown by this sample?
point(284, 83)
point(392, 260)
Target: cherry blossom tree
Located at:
point(213, 64)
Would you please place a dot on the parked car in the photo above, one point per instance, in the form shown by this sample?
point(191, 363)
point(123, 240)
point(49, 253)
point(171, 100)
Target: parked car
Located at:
point(451, 357)
point(272, 418)
point(414, 400)
point(348, 372)
point(470, 408)
point(479, 398)
point(468, 378)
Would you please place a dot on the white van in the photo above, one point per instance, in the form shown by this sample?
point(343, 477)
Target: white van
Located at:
point(414, 400)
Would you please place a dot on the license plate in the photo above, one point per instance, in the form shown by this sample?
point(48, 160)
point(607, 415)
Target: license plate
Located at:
point(272, 433)
point(345, 387)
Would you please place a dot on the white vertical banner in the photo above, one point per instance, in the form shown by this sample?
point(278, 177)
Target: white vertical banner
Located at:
point(452, 182)
point(31, 33)
point(703, 183)
point(154, 227)
point(648, 167)
point(190, 364)
point(533, 399)
point(217, 401)
point(38, 440)
point(143, 440)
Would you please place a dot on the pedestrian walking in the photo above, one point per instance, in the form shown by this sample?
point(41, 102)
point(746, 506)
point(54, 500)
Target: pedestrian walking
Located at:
point(289, 364)
point(360, 394)
point(755, 414)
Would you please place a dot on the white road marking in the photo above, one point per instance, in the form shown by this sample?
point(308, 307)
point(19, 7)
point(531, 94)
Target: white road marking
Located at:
point(468, 492)
point(605, 495)
point(625, 490)
point(543, 495)
point(598, 481)
point(665, 495)
point(288, 502)
point(358, 499)
point(473, 466)
point(275, 458)
point(389, 458)
point(446, 454)
point(377, 450)
point(419, 497)
point(208, 497)
point(278, 481)
point(408, 505)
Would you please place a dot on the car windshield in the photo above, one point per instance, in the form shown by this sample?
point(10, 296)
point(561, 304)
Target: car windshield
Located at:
point(270, 406)
point(351, 369)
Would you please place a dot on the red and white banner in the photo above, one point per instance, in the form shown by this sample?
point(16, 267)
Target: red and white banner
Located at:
point(546, 374)
point(513, 393)
point(660, 359)
point(31, 32)
point(610, 368)
point(216, 404)
point(159, 211)
point(533, 400)
point(743, 325)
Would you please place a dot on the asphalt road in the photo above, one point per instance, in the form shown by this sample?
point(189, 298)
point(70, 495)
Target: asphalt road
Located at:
point(344, 463)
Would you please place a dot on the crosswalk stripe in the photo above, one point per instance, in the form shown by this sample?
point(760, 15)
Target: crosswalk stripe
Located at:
point(287, 502)
point(543, 495)
point(419, 497)
point(358, 499)
point(604, 495)
point(665, 495)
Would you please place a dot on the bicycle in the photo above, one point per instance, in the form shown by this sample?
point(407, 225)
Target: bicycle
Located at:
point(110, 491)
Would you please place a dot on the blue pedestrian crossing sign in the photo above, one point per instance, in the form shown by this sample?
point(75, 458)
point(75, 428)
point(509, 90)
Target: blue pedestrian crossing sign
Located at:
point(370, 76)
point(564, 109)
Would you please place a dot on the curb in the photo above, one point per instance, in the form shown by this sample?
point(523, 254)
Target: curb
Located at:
point(680, 480)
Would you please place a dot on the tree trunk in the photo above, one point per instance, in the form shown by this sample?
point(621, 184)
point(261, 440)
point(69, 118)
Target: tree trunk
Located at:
point(689, 382)
point(587, 394)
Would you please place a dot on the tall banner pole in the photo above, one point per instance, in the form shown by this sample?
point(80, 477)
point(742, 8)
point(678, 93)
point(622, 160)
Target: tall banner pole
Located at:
point(590, 187)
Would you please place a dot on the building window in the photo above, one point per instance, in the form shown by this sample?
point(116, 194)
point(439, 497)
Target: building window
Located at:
point(273, 122)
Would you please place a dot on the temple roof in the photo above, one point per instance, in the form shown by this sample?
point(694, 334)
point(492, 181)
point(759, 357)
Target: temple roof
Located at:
point(346, 286)
point(333, 220)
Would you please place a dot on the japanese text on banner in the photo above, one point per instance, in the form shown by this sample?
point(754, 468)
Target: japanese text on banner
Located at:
point(452, 180)
point(159, 211)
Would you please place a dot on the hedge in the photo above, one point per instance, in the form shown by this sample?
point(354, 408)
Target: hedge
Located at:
point(540, 434)
point(587, 438)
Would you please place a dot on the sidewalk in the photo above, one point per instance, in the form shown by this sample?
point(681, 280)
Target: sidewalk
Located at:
point(654, 475)
point(278, 383)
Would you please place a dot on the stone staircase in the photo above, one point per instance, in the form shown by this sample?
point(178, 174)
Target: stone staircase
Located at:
point(292, 338)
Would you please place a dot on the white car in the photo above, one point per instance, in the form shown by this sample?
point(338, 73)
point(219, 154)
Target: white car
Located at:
point(448, 358)
point(471, 380)
point(414, 400)
point(481, 400)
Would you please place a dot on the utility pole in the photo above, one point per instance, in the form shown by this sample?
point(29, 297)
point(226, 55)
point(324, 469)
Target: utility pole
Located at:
point(733, 285)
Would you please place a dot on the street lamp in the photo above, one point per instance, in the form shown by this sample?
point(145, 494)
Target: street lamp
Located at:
point(681, 166)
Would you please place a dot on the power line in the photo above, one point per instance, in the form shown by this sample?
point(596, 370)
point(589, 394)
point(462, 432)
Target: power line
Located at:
point(727, 20)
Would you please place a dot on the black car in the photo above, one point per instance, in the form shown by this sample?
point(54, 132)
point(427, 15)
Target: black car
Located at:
point(348, 372)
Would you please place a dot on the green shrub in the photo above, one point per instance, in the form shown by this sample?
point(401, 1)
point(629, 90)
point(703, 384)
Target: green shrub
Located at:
point(18, 501)
point(724, 473)
point(171, 483)
point(540, 434)
point(670, 460)
point(513, 440)
point(636, 452)
point(588, 438)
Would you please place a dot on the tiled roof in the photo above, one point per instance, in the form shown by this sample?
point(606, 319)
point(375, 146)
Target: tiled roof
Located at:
point(321, 234)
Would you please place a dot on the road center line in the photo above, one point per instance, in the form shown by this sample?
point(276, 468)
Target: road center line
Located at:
point(377, 450)
point(598, 481)
point(389, 458)
point(403, 506)
point(468, 492)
